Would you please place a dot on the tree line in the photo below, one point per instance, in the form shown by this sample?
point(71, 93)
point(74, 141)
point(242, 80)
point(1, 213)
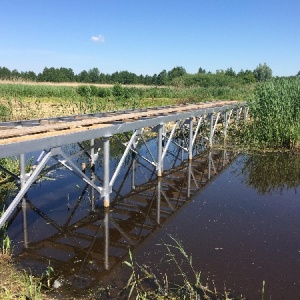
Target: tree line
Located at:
point(175, 77)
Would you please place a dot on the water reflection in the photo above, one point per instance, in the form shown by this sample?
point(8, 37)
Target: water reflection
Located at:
point(84, 242)
point(283, 171)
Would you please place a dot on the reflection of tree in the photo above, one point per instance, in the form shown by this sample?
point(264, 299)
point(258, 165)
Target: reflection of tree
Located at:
point(271, 172)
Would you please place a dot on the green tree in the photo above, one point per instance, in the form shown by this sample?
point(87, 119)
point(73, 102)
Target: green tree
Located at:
point(83, 76)
point(230, 72)
point(162, 78)
point(201, 71)
point(246, 76)
point(30, 75)
point(262, 72)
point(94, 75)
point(176, 72)
point(5, 73)
point(66, 74)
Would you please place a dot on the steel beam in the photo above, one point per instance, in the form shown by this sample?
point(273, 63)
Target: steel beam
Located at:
point(52, 143)
point(106, 185)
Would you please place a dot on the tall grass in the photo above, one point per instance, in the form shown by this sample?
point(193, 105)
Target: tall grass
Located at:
point(275, 114)
point(143, 283)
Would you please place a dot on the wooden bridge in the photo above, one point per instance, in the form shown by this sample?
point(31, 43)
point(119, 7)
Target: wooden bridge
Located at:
point(50, 136)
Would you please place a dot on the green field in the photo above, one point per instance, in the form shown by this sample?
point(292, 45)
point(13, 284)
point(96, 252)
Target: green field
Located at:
point(28, 101)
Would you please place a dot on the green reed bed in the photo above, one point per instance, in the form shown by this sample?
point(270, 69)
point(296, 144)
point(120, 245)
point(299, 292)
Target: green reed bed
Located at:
point(274, 115)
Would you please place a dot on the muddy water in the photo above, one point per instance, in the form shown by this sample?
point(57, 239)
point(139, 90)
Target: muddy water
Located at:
point(237, 216)
point(243, 229)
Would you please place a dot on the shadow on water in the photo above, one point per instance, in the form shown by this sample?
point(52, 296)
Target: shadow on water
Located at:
point(241, 229)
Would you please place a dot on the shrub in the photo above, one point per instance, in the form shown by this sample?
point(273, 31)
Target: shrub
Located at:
point(5, 113)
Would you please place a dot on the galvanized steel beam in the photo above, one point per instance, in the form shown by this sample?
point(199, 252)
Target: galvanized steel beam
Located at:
point(184, 120)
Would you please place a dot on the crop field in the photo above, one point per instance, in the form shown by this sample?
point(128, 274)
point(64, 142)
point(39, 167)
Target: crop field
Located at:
point(21, 101)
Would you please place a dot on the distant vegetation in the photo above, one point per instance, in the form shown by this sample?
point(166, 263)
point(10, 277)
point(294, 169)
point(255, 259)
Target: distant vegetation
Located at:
point(176, 77)
point(273, 102)
point(91, 91)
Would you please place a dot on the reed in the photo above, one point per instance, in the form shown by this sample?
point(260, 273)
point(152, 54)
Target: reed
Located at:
point(143, 283)
point(274, 114)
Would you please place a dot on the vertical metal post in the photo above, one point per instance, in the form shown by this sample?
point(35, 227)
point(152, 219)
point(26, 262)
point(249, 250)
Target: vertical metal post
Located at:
point(106, 238)
point(158, 204)
point(92, 143)
point(24, 202)
point(191, 138)
point(209, 165)
point(93, 176)
point(211, 131)
point(22, 169)
point(189, 179)
point(226, 124)
point(159, 167)
point(133, 171)
point(106, 187)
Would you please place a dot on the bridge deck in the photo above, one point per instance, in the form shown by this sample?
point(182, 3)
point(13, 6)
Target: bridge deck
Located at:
point(49, 135)
point(25, 136)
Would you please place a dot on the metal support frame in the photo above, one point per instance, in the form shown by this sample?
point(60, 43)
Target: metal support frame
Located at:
point(106, 185)
point(227, 116)
point(159, 166)
point(191, 123)
point(187, 124)
point(213, 124)
point(105, 223)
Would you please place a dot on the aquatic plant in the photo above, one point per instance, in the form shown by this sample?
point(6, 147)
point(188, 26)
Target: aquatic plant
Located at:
point(274, 114)
point(144, 284)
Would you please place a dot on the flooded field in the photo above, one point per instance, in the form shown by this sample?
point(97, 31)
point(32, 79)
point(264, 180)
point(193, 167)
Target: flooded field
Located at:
point(236, 214)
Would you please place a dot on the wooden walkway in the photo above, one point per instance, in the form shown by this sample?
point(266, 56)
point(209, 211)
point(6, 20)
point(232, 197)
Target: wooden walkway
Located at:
point(49, 136)
point(22, 131)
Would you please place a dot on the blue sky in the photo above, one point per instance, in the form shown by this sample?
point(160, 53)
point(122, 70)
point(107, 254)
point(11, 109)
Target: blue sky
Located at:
point(146, 37)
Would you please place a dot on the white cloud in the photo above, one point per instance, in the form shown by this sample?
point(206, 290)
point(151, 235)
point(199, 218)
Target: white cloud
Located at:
point(98, 38)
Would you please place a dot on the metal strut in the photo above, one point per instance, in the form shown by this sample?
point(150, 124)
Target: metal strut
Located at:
point(189, 123)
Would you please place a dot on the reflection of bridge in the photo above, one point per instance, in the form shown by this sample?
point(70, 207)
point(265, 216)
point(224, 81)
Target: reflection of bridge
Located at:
point(87, 248)
point(165, 123)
